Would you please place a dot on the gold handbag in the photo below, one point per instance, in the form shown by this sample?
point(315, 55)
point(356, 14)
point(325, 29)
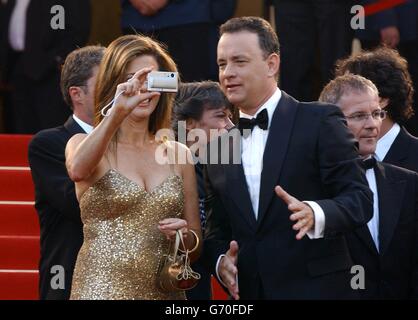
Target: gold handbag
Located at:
point(175, 273)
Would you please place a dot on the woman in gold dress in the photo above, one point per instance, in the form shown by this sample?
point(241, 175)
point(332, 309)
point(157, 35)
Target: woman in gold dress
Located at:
point(130, 202)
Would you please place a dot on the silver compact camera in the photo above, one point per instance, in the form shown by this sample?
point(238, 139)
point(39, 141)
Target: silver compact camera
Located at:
point(162, 81)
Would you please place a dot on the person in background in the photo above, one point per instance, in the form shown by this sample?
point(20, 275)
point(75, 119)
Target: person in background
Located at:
point(311, 31)
point(387, 247)
point(203, 106)
point(33, 46)
point(389, 72)
point(55, 199)
point(221, 11)
point(395, 27)
point(187, 27)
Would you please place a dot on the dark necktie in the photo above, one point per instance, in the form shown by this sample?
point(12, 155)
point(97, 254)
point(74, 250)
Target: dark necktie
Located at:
point(369, 163)
point(262, 120)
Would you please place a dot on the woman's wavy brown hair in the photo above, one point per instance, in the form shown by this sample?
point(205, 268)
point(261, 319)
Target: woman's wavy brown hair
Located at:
point(118, 55)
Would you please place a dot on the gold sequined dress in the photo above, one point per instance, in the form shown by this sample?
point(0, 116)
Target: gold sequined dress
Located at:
point(122, 245)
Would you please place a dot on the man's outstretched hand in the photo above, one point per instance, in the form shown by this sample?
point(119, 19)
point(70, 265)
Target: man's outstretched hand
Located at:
point(301, 213)
point(228, 270)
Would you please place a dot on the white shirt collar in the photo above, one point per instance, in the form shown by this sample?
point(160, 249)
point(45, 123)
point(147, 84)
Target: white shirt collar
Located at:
point(270, 105)
point(85, 126)
point(385, 142)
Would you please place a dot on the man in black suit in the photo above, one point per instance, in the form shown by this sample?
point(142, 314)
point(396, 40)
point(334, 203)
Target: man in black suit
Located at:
point(303, 148)
point(387, 248)
point(389, 72)
point(35, 38)
point(55, 199)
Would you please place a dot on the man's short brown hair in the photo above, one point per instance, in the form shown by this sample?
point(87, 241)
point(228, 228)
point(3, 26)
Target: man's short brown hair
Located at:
point(78, 69)
point(267, 37)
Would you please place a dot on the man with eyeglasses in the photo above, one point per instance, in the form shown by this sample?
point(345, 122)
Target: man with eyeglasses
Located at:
point(389, 72)
point(387, 247)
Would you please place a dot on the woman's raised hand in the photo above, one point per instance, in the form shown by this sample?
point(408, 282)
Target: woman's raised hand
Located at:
point(132, 96)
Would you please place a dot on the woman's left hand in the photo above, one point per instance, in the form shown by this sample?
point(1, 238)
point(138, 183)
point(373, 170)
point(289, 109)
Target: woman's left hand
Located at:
point(169, 227)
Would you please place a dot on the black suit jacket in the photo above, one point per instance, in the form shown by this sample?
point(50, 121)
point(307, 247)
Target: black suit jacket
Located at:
point(391, 273)
point(45, 48)
point(404, 151)
point(57, 206)
point(311, 154)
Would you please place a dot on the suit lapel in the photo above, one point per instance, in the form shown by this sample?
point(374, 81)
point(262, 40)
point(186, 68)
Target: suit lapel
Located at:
point(275, 150)
point(237, 184)
point(390, 193)
point(72, 126)
point(364, 234)
point(399, 149)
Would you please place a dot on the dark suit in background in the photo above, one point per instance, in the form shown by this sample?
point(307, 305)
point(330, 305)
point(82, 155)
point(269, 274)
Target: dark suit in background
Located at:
point(311, 154)
point(391, 272)
point(57, 206)
point(309, 29)
point(34, 73)
point(189, 29)
point(404, 151)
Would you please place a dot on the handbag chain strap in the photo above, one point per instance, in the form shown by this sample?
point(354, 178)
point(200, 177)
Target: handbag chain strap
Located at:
point(186, 270)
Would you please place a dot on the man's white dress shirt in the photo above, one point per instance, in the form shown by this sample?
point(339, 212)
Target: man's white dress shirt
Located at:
point(85, 126)
point(373, 224)
point(385, 142)
point(17, 26)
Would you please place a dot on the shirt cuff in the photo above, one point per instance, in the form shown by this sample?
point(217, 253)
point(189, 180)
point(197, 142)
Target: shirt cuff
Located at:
point(319, 215)
point(217, 269)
